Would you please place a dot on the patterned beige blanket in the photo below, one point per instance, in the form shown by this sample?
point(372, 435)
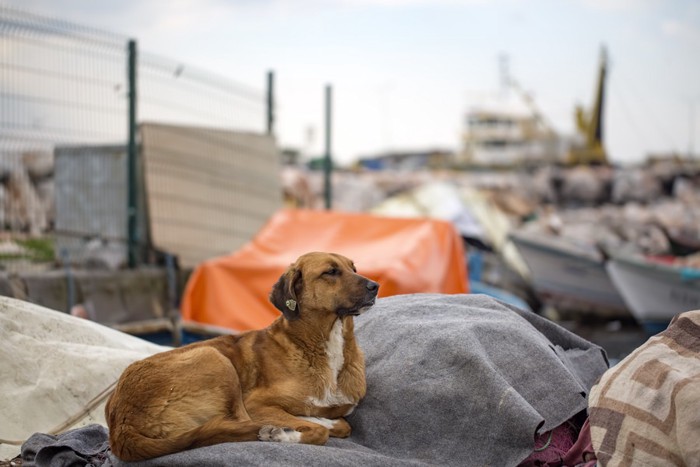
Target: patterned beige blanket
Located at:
point(646, 410)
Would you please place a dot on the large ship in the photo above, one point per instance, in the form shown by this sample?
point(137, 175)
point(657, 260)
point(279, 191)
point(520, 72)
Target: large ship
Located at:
point(511, 131)
point(501, 134)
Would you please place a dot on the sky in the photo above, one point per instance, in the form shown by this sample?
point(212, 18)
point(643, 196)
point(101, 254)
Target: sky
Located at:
point(405, 72)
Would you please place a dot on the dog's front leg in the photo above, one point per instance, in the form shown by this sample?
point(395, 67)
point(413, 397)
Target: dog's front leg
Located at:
point(335, 411)
point(281, 426)
point(332, 418)
point(337, 427)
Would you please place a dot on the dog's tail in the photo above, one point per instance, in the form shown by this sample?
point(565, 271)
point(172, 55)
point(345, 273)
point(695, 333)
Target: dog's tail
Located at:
point(129, 445)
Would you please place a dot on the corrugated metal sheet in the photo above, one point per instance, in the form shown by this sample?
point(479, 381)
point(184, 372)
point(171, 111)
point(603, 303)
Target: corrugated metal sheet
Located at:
point(90, 184)
point(208, 191)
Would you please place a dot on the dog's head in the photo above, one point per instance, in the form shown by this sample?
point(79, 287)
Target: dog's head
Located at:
point(325, 282)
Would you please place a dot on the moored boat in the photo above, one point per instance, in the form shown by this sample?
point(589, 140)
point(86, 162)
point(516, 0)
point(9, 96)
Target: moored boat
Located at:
point(570, 276)
point(654, 290)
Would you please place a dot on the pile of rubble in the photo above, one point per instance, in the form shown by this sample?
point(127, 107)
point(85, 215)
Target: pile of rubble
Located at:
point(652, 209)
point(26, 191)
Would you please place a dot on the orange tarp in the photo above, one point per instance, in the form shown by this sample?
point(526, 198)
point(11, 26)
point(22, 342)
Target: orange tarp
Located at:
point(403, 255)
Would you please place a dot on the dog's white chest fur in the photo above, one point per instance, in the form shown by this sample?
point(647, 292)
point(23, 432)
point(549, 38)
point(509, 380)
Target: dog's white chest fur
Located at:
point(334, 352)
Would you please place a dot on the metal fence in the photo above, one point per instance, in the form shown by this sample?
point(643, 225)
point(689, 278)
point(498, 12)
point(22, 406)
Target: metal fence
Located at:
point(65, 93)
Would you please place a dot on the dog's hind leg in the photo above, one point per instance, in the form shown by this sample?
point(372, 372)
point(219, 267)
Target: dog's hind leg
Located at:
point(224, 430)
point(134, 446)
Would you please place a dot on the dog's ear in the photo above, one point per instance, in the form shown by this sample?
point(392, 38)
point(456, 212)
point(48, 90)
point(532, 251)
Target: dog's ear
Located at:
point(285, 292)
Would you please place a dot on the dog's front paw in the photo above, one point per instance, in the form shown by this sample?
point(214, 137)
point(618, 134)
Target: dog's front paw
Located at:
point(341, 428)
point(281, 435)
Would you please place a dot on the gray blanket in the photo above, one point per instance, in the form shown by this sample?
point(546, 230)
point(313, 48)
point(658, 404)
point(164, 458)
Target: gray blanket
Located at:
point(451, 380)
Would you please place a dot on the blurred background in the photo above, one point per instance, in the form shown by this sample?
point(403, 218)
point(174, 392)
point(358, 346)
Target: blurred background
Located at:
point(406, 71)
point(139, 140)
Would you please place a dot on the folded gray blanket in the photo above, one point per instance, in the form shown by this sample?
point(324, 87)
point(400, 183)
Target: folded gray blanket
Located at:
point(86, 446)
point(451, 380)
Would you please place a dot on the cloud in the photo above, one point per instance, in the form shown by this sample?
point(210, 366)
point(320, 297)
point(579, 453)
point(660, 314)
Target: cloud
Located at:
point(184, 16)
point(682, 31)
point(405, 3)
point(620, 5)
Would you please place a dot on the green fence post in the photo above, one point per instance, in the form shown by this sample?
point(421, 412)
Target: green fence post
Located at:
point(328, 162)
point(270, 102)
point(132, 201)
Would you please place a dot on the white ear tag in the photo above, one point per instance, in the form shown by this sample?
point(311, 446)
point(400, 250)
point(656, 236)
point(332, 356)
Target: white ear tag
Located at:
point(291, 304)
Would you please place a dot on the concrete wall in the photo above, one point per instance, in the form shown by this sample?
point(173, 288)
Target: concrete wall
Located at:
point(108, 297)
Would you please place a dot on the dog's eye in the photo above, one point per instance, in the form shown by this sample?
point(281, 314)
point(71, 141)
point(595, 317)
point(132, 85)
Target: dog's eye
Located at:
point(332, 272)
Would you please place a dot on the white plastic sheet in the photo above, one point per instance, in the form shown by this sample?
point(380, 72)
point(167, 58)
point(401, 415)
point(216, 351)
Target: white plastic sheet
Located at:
point(56, 371)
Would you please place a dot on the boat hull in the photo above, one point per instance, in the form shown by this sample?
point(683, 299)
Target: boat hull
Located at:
point(574, 282)
point(654, 292)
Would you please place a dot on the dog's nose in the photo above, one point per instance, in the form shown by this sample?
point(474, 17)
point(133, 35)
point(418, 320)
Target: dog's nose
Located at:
point(372, 286)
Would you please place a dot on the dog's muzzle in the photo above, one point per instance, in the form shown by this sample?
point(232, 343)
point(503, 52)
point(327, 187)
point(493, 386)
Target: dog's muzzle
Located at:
point(366, 304)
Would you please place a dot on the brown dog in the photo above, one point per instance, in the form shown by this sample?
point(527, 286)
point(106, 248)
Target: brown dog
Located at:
point(292, 381)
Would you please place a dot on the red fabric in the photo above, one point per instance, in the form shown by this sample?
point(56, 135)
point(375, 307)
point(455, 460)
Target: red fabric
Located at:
point(403, 255)
point(582, 453)
point(662, 259)
point(578, 454)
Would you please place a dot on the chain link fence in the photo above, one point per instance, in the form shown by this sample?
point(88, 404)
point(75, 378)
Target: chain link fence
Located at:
point(65, 181)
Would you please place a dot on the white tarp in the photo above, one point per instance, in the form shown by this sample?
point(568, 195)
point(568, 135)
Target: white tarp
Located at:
point(56, 371)
point(436, 200)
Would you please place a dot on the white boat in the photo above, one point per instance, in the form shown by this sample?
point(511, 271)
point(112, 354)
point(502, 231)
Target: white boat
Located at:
point(570, 276)
point(655, 292)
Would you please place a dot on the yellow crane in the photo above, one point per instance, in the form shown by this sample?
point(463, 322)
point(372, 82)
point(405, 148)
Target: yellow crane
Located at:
point(590, 149)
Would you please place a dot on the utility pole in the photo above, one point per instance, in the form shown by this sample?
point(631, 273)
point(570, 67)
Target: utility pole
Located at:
point(270, 121)
point(328, 160)
point(504, 74)
point(691, 149)
point(132, 187)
